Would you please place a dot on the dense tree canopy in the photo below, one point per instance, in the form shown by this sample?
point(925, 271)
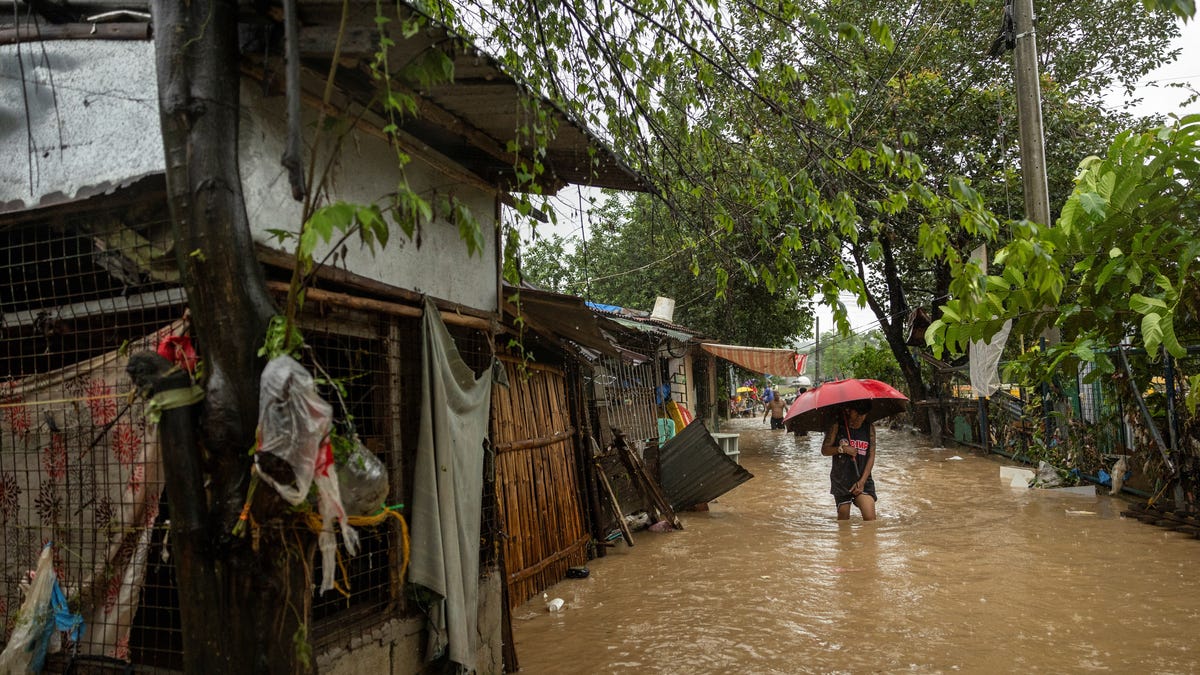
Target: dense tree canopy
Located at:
point(809, 149)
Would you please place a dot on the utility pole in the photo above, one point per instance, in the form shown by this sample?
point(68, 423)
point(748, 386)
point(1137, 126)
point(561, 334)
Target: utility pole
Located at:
point(1029, 116)
point(817, 353)
point(1033, 156)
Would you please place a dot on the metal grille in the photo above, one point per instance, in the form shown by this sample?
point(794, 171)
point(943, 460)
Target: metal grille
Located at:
point(378, 360)
point(624, 398)
point(79, 467)
point(349, 350)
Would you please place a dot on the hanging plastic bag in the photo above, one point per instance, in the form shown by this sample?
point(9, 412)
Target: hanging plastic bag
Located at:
point(363, 481)
point(329, 504)
point(1120, 473)
point(30, 639)
point(293, 421)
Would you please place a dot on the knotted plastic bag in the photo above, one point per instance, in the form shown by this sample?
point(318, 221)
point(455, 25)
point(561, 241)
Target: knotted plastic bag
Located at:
point(329, 504)
point(294, 452)
point(293, 421)
point(363, 481)
point(39, 625)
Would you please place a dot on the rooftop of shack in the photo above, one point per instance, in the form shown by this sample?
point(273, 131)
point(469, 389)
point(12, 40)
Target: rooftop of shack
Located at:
point(470, 120)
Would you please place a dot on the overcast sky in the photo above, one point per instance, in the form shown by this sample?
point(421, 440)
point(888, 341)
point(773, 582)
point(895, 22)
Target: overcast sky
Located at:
point(1156, 95)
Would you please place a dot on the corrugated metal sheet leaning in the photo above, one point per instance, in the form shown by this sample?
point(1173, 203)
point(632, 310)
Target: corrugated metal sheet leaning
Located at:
point(694, 469)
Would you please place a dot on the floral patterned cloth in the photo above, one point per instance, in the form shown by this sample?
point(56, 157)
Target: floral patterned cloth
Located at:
point(80, 467)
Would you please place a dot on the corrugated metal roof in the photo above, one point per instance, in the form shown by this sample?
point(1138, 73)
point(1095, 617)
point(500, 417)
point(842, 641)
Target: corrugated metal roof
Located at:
point(654, 328)
point(98, 125)
point(566, 316)
point(695, 470)
point(78, 118)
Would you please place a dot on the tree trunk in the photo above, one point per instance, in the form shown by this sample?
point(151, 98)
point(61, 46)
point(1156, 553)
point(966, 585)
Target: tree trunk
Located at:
point(892, 319)
point(242, 608)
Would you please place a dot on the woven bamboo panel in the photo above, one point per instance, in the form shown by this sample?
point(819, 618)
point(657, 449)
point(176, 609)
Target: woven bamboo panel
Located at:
point(537, 480)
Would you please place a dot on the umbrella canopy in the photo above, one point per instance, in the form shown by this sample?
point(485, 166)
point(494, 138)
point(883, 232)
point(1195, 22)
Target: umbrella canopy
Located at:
point(742, 390)
point(816, 409)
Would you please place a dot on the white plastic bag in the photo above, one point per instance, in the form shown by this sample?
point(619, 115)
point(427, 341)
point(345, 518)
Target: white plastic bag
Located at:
point(26, 649)
point(329, 504)
point(293, 421)
point(1046, 477)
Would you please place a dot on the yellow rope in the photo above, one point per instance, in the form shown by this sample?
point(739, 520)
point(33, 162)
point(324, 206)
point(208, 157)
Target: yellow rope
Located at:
point(316, 523)
point(1159, 494)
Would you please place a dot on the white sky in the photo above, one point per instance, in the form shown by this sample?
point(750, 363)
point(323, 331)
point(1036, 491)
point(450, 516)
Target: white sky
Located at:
point(1157, 97)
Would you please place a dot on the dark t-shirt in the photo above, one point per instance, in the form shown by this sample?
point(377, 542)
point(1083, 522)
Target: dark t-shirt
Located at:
point(846, 470)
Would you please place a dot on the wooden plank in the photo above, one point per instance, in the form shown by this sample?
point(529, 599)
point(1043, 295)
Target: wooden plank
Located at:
point(393, 428)
point(616, 506)
point(393, 308)
point(574, 547)
point(641, 477)
point(531, 443)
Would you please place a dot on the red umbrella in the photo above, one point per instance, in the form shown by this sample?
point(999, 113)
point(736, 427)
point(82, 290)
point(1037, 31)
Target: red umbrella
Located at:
point(816, 409)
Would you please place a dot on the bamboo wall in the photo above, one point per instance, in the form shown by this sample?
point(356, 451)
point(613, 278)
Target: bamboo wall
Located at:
point(541, 513)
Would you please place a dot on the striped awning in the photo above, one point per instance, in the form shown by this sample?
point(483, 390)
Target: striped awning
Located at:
point(782, 362)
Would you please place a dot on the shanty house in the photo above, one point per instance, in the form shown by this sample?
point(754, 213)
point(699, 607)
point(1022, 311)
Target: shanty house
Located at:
point(89, 274)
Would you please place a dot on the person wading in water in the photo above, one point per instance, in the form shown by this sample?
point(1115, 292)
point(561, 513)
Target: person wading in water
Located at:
point(775, 408)
point(851, 443)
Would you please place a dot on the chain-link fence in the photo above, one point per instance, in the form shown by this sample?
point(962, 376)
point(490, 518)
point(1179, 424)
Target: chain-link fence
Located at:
point(1132, 409)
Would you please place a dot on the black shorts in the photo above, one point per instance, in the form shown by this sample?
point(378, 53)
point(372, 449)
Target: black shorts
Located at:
point(843, 497)
point(776, 422)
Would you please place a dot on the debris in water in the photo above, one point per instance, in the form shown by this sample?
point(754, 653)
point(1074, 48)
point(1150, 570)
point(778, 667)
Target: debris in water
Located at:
point(552, 605)
point(948, 459)
point(1118, 475)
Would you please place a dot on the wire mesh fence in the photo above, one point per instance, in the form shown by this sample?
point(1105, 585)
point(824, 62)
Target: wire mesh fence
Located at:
point(79, 462)
point(80, 469)
point(1082, 423)
point(623, 396)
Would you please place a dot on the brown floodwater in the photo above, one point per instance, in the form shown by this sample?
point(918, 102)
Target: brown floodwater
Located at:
point(961, 573)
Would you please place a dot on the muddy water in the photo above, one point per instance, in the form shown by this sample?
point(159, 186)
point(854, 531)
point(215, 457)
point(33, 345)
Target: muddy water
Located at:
point(961, 573)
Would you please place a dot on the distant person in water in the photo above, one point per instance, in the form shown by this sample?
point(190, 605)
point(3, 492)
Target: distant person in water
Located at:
point(850, 441)
point(775, 408)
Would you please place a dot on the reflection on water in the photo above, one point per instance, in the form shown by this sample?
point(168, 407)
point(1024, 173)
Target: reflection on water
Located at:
point(960, 573)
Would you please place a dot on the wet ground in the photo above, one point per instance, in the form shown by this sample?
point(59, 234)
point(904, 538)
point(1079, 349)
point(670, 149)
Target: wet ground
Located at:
point(961, 573)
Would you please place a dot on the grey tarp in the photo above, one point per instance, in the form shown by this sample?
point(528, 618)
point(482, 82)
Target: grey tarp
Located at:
point(447, 490)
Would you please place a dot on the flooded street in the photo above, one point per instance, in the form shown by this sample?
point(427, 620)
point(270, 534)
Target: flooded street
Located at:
point(961, 573)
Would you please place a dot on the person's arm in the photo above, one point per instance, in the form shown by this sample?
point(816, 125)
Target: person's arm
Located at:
point(827, 447)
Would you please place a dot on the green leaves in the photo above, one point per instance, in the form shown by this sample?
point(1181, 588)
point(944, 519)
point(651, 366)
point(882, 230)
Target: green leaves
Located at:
point(1184, 9)
point(1124, 249)
point(280, 340)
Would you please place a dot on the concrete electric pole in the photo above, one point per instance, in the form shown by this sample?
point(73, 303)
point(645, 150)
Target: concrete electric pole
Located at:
point(1029, 114)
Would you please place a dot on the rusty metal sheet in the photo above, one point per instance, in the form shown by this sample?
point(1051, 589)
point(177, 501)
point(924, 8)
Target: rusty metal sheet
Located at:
point(695, 470)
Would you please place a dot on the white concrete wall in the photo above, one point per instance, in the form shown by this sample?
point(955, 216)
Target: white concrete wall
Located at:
point(367, 172)
point(83, 120)
point(93, 124)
